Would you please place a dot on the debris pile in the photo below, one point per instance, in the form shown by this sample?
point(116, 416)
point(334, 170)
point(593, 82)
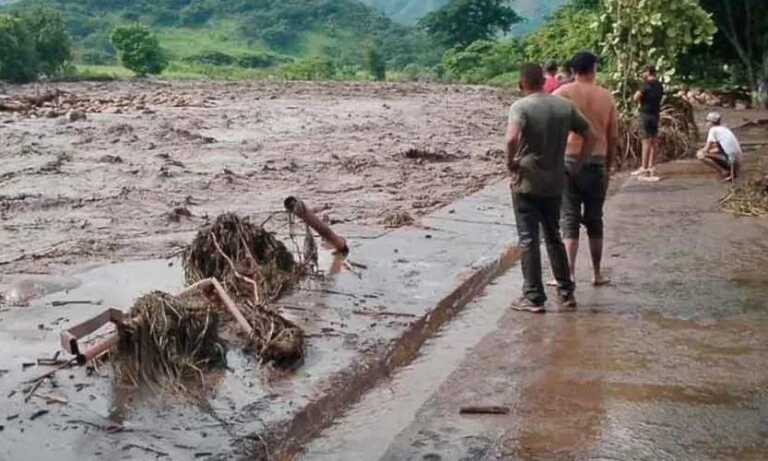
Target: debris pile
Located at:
point(56, 103)
point(169, 340)
point(748, 199)
point(397, 219)
point(734, 99)
point(250, 262)
point(423, 155)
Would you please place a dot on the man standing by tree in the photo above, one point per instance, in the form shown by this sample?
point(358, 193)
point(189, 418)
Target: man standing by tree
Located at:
point(587, 186)
point(649, 98)
point(537, 135)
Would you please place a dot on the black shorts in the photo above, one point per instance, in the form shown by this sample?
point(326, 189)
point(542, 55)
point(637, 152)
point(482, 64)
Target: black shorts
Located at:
point(583, 201)
point(649, 126)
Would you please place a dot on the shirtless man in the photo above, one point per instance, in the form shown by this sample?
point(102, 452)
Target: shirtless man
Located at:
point(723, 151)
point(587, 184)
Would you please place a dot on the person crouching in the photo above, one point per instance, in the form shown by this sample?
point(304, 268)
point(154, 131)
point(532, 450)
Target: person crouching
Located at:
point(723, 151)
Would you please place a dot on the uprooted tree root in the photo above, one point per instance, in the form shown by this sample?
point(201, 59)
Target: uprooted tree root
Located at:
point(249, 261)
point(678, 134)
point(748, 199)
point(256, 268)
point(169, 340)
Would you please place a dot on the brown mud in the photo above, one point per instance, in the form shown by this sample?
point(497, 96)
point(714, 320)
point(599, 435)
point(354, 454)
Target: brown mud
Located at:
point(154, 161)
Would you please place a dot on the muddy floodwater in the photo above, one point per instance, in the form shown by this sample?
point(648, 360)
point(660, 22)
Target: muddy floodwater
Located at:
point(158, 160)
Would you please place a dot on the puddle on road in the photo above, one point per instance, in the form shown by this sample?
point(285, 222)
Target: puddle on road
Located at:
point(367, 430)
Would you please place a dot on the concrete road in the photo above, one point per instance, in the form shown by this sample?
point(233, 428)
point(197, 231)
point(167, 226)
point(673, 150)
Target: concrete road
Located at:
point(668, 363)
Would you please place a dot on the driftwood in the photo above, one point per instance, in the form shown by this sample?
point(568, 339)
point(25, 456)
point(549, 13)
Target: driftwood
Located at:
point(484, 411)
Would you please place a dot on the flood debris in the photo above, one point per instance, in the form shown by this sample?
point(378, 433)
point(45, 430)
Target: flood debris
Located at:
point(748, 199)
point(38, 414)
point(169, 339)
point(428, 155)
point(234, 270)
point(398, 219)
point(492, 410)
point(249, 261)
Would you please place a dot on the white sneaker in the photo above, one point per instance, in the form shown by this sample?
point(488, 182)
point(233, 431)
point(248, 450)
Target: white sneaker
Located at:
point(639, 172)
point(649, 178)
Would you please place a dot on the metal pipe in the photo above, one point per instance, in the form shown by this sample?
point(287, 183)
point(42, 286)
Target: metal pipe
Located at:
point(297, 207)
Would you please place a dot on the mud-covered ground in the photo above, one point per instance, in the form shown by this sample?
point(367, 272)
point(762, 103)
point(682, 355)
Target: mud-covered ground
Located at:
point(154, 161)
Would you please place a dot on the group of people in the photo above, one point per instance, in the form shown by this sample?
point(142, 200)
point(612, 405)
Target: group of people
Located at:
point(562, 137)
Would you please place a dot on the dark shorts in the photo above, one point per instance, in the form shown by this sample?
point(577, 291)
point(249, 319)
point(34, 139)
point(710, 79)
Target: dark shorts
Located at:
point(649, 126)
point(720, 158)
point(583, 201)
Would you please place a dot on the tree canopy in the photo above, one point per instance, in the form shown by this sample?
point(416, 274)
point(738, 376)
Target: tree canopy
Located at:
point(742, 37)
point(139, 50)
point(463, 22)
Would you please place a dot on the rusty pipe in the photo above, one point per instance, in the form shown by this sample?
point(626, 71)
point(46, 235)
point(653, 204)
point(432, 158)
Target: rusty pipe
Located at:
point(297, 207)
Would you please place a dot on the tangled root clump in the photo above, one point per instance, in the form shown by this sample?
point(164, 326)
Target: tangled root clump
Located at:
point(276, 339)
point(232, 246)
point(678, 134)
point(169, 340)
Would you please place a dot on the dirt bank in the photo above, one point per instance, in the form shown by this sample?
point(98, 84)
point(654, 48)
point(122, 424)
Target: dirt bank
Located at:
point(154, 161)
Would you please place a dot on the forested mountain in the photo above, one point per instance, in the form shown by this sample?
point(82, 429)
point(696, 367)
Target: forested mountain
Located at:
point(410, 11)
point(338, 29)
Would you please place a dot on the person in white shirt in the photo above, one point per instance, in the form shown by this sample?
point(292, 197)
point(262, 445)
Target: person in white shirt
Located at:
point(723, 150)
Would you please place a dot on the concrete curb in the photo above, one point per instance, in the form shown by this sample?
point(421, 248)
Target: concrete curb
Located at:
point(475, 225)
point(364, 376)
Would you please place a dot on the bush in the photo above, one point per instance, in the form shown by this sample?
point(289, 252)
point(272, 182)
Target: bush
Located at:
point(246, 61)
point(482, 60)
point(375, 63)
point(261, 60)
point(212, 58)
point(18, 57)
point(139, 50)
point(309, 69)
point(96, 58)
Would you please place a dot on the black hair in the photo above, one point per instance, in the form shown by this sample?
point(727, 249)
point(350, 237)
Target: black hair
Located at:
point(532, 75)
point(551, 67)
point(651, 69)
point(584, 63)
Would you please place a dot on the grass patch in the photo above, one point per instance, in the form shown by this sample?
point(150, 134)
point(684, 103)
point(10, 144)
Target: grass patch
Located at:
point(222, 36)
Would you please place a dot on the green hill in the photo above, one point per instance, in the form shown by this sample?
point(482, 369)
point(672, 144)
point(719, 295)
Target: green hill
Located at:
point(410, 11)
point(258, 32)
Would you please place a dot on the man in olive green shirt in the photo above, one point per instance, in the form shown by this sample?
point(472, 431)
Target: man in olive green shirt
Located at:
point(537, 135)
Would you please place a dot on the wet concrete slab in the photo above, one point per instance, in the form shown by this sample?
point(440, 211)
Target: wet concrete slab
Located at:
point(362, 323)
point(668, 363)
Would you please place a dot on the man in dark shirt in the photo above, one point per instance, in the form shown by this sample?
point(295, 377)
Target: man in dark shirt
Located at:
point(537, 136)
point(649, 98)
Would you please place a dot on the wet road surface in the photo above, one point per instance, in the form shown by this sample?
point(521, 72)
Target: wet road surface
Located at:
point(668, 363)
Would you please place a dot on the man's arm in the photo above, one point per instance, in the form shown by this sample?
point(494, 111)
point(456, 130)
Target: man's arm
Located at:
point(514, 135)
point(513, 145)
point(638, 97)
